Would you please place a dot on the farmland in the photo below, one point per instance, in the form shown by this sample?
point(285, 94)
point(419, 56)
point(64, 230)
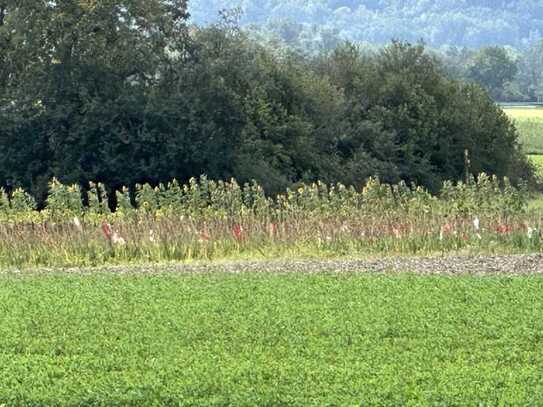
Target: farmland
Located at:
point(198, 215)
point(269, 339)
point(529, 122)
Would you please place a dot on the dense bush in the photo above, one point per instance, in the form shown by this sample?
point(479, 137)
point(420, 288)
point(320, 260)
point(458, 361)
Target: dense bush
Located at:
point(90, 94)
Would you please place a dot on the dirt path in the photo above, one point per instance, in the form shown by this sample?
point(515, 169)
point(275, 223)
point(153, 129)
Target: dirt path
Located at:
point(480, 265)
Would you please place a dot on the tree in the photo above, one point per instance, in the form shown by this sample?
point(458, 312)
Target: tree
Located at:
point(531, 71)
point(405, 120)
point(120, 92)
point(78, 79)
point(493, 68)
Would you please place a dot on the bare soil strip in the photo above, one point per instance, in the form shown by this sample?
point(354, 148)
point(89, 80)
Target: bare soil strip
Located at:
point(526, 264)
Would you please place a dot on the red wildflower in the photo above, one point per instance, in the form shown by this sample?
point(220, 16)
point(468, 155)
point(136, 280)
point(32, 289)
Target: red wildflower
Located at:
point(446, 230)
point(108, 232)
point(504, 229)
point(272, 229)
point(237, 231)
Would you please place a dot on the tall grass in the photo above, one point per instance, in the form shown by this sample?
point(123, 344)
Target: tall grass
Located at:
point(205, 220)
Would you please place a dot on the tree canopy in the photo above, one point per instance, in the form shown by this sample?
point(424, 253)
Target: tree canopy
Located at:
point(123, 92)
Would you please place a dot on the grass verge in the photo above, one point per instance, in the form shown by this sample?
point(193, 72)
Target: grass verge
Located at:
point(270, 339)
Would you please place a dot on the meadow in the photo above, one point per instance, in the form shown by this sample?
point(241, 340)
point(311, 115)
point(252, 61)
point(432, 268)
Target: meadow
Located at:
point(270, 339)
point(208, 220)
point(529, 122)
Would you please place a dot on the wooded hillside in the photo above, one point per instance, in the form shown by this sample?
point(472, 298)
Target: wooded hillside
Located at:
point(471, 23)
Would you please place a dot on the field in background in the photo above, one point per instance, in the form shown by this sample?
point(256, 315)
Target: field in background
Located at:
point(537, 159)
point(529, 122)
point(270, 339)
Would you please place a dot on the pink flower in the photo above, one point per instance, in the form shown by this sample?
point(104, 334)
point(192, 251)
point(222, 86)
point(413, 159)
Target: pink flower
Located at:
point(112, 236)
point(106, 229)
point(237, 231)
point(504, 229)
point(204, 237)
point(446, 230)
point(272, 229)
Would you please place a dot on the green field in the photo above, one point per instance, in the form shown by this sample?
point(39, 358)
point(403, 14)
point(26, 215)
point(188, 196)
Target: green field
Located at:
point(270, 339)
point(529, 122)
point(537, 159)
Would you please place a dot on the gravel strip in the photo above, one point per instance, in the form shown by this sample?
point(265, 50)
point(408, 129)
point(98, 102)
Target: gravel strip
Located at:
point(477, 265)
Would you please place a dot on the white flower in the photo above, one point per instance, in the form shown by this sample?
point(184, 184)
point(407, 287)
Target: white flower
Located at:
point(531, 232)
point(476, 224)
point(118, 240)
point(78, 225)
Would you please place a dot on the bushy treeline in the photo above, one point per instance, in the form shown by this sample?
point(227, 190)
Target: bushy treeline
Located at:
point(125, 94)
point(508, 74)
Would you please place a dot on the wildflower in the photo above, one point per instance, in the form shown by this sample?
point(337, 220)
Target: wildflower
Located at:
point(117, 240)
point(504, 229)
point(446, 230)
point(204, 237)
point(77, 224)
point(152, 237)
point(272, 230)
point(237, 231)
point(111, 236)
point(106, 229)
point(476, 224)
point(530, 231)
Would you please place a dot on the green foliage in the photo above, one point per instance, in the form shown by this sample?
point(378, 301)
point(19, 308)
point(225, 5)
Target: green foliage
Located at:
point(88, 94)
point(64, 201)
point(205, 219)
point(21, 201)
point(98, 202)
point(320, 339)
point(404, 120)
point(492, 68)
point(537, 160)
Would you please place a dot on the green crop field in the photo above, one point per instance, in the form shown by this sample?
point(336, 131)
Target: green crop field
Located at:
point(529, 122)
point(270, 339)
point(537, 159)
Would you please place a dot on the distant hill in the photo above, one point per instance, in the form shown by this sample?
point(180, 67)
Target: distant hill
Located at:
point(471, 23)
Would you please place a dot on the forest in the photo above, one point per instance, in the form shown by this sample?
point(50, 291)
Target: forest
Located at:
point(496, 44)
point(467, 23)
point(131, 94)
